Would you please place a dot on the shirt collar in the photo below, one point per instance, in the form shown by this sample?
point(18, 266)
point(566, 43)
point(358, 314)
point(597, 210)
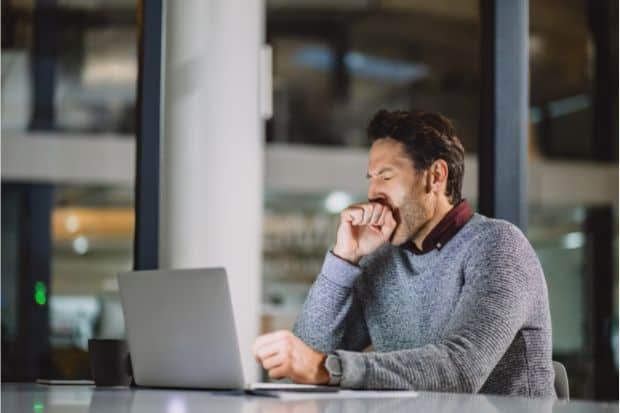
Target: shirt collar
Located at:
point(447, 228)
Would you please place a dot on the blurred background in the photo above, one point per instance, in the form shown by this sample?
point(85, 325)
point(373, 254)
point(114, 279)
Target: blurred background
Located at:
point(70, 72)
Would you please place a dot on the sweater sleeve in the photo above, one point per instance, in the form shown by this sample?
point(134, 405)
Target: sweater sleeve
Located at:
point(331, 317)
point(491, 310)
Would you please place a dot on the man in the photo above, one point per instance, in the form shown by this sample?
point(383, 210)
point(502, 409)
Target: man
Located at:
point(450, 300)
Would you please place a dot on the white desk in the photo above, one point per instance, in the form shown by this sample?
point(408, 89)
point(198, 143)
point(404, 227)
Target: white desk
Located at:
point(34, 398)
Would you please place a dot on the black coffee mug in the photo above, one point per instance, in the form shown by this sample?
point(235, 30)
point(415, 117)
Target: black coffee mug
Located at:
point(110, 364)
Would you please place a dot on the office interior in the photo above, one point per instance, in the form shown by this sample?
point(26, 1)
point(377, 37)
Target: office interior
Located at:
point(124, 147)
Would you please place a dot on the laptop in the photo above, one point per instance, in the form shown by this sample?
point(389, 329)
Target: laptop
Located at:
point(181, 331)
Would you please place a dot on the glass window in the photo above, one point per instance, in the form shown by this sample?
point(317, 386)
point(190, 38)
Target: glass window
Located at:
point(92, 241)
point(68, 70)
point(575, 184)
point(335, 66)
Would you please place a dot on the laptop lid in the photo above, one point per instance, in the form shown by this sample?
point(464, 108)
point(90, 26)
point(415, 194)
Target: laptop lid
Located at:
point(181, 329)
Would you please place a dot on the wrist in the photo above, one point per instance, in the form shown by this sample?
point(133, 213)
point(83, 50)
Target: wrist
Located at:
point(350, 258)
point(321, 375)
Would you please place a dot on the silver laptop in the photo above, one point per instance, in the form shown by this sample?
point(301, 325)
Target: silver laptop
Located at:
point(182, 332)
point(181, 329)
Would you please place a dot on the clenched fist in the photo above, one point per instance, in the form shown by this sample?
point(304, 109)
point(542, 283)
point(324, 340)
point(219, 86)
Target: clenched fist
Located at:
point(284, 355)
point(363, 228)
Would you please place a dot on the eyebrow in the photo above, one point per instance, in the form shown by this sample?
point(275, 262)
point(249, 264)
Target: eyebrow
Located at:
point(381, 171)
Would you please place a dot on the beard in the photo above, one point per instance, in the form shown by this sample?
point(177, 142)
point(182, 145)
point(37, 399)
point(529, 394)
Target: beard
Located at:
point(410, 217)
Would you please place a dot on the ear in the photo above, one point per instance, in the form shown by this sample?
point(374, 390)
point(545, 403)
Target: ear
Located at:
point(438, 176)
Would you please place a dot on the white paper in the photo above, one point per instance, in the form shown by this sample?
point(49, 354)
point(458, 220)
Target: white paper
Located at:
point(346, 394)
point(282, 386)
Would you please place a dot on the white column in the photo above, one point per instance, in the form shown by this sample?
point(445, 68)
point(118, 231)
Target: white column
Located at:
point(213, 150)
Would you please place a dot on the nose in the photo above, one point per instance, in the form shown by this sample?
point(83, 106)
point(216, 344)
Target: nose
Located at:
point(374, 192)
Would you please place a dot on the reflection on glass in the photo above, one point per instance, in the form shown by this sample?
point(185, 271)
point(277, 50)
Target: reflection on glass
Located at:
point(557, 236)
point(92, 230)
point(337, 66)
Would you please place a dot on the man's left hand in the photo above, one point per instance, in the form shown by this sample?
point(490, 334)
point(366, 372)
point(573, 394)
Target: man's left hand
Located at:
point(285, 356)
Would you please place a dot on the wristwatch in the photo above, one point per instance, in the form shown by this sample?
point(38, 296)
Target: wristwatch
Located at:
point(334, 368)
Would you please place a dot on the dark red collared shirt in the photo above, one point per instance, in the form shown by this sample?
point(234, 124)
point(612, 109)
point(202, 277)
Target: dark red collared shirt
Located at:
point(445, 229)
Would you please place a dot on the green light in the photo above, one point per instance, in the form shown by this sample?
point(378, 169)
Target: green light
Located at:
point(37, 407)
point(40, 293)
point(39, 286)
point(40, 298)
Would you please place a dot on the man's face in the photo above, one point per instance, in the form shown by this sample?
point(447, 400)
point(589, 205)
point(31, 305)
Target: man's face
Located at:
point(394, 182)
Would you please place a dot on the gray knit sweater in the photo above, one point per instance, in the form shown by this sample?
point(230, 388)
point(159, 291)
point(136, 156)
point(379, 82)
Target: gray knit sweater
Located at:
point(471, 317)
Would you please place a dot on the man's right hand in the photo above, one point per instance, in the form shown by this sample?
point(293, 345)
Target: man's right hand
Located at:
point(363, 228)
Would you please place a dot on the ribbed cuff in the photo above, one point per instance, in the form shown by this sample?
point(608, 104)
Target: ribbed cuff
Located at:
point(353, 369)
point(340, 271)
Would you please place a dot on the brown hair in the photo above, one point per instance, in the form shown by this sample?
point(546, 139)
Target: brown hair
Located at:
point(427, 136)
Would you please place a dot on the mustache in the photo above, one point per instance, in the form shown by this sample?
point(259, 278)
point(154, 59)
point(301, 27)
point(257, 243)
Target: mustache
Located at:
point(384, 202)
point(395, 211)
